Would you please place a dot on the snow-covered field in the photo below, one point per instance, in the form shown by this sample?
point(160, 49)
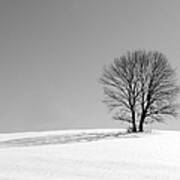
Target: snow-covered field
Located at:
point(90, 155)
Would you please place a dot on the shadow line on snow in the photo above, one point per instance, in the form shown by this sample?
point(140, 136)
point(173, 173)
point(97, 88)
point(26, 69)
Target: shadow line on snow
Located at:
point(64, 139)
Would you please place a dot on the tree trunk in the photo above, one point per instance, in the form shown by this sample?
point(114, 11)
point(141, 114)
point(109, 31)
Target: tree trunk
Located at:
point(141, 123)
point(141, 126)
point(134, 129)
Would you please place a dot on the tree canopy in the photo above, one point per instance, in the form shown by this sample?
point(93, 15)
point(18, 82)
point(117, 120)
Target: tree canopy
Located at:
point(140, 87)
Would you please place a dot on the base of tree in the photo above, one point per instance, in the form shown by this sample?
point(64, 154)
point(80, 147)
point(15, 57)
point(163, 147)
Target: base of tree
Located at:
point(131, 130)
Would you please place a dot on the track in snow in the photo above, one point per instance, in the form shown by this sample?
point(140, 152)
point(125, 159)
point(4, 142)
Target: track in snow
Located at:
point(64, 138)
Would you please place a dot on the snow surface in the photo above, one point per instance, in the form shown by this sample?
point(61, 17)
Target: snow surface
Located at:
point(90, 155)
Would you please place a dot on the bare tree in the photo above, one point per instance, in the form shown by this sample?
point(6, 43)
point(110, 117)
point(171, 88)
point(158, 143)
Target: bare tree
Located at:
point(141, 88)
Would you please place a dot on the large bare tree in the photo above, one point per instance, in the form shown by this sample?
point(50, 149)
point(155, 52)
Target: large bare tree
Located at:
point(140, 87)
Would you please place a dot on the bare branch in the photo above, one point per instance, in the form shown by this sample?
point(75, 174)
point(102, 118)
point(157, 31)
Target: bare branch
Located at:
point(141, 86)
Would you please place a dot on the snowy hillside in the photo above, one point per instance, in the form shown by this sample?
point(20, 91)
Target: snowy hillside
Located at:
point(90, 155)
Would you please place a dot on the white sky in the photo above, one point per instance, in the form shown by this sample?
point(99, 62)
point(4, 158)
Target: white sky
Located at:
point(52, 54)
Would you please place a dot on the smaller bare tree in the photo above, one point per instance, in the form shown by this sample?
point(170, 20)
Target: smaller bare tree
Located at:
point(141, 88)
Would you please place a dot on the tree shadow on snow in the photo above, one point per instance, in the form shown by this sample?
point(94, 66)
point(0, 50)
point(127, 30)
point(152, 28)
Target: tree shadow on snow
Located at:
point(64, 139)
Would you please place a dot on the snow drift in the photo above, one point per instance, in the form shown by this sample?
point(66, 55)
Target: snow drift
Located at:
point(90, 154)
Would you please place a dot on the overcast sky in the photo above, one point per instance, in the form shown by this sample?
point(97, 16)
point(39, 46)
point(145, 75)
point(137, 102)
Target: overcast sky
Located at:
point(52, 53)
